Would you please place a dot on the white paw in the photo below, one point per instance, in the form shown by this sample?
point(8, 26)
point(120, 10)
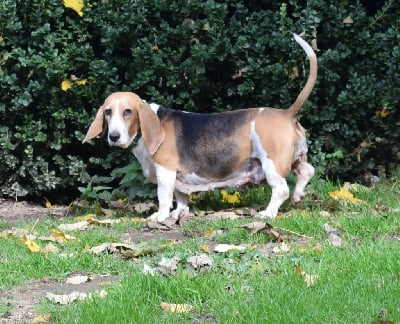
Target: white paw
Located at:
point(298, 196)
point(268, 213)
point(158, 217)
point(179, 212)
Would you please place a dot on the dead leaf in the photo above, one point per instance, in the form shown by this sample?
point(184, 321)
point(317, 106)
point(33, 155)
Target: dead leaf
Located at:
point(144, 207)
point(50, 247)
point(256, 227)
point(46, 318)
point(77, 280)
point(138, 220)
point(66, 84)
point(246, 212)
point(48, 203)
point(281, 248)
point(19, 232)
point(105, 247)
point(335, 240)
point(104, 222)
point(7, 234)
point(198, 261)
point(147, 270)
point(205, 248)
point(318, 248)
point(294, 73)
point(238, 73)
point(176, 308)
point(61, 237)
point(224, 214)
point(206, 27)
point(85, 218)
point(333, 235)
point(314, 45)
point(325, 213)
point(221, 248)
point(69, 298)
point(199, 212)
point(211, 233)
point(78, 226)
point(329, 229)
point(355, 187)
point(308, 279)
point(132, 250)
point(30, 244)
point(117, 204)
point(344, 195)
point(347, 20)
point(168, 266)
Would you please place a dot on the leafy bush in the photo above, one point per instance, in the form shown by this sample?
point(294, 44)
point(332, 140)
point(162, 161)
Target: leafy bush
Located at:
point(197, 56)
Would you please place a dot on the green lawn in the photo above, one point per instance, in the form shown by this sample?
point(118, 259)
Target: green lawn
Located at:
point(356, 282)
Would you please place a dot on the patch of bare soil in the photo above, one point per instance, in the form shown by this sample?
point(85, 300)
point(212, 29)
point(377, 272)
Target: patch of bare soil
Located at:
point(22, 301)
point(12, 211)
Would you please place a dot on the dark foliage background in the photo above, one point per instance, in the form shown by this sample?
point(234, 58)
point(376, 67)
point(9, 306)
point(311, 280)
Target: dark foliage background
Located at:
point(198, 56)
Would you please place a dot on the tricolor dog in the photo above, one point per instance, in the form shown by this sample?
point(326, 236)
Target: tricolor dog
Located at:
point(186, 152)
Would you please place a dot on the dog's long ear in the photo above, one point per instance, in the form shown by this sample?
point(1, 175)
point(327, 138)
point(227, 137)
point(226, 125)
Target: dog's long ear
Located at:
point(150, 126)
point(97, 128)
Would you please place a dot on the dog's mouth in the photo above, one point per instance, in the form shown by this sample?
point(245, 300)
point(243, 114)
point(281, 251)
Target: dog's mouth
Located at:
point(115, 140)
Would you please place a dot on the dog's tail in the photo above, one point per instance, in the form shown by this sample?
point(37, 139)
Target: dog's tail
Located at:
point(302, 97)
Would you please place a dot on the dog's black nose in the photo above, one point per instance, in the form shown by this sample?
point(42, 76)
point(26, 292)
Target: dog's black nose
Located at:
point(114, 136)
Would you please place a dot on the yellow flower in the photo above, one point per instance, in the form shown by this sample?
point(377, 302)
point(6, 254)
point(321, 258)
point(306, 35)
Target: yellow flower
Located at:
point(81, 82)
point(232, 198)
point(66, 84)
point(344, 195)
point(75, 5)
point(383, 113)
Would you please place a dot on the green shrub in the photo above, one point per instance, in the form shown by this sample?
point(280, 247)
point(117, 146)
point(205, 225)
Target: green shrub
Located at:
point(193, 55)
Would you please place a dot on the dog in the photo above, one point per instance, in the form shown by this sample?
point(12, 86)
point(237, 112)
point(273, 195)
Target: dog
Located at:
point(185, 152)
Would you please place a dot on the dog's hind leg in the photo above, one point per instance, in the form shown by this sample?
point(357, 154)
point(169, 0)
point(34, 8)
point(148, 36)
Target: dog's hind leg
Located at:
point(182, 208)
point(280, 189)
point(165, 191)
point(304, 172)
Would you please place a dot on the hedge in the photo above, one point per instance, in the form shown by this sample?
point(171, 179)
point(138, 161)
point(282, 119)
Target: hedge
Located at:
point(57, 64)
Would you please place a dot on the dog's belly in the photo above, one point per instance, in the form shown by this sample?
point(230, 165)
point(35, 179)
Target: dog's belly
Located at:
point(250, 172)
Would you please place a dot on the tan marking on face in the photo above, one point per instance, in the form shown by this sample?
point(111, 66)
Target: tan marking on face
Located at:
point(121, 116)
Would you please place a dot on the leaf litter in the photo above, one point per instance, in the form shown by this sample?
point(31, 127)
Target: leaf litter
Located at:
point(197, 263)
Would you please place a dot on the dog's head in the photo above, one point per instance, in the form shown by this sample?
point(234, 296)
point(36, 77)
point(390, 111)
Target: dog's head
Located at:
point(123, 114)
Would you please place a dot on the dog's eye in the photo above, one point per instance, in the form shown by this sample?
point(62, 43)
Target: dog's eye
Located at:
point(127, 112)
point(107, 112)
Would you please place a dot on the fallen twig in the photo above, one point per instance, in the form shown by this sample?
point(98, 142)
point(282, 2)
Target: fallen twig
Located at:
point(292, 232)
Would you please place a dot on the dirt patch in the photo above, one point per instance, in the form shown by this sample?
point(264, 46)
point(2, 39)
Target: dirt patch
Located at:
point(13, 211)
point(136, 236)
point(23, 300)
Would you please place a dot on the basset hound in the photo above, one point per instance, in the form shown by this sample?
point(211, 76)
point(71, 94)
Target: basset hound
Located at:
point(185, 152)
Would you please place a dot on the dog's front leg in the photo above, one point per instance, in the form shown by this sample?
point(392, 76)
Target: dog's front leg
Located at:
point(165, 191)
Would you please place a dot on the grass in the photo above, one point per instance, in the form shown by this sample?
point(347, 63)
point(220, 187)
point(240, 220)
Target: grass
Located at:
point(356, 282)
